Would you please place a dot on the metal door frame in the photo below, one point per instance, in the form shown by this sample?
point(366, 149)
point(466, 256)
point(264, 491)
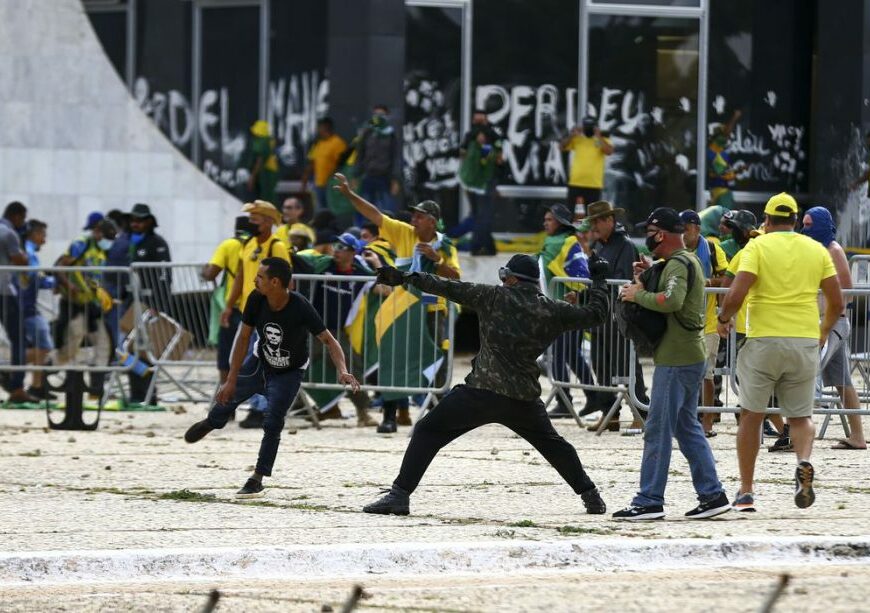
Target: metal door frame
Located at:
point(702, 14)
point(196, 58)
point(465, 99)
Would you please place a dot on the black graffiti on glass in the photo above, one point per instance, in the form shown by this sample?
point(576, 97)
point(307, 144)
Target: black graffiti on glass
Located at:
point(430, 136)
point(295, 104)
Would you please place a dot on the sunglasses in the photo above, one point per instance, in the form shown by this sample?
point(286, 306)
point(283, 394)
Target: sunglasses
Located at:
point(256, 254)
point(342, 246)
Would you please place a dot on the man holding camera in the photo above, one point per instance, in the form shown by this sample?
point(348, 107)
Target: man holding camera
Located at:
point(589, 149)
point(480, 153)
point(517, 323)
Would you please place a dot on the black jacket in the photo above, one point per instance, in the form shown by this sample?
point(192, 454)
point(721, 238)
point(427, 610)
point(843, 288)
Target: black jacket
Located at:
point(155, 283)
point(620, 252)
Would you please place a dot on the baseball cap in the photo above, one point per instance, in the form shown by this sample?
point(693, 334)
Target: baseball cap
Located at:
point(94, 217)
point(324, 236)
point(428, 207)
point(664, 218)
point(690, 216)
point(521, 266)
point(781, 205)
point(347, 241)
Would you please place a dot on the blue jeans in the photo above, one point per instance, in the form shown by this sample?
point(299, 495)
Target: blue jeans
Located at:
point(673, 412)
point(376, 189)
point(482, 209)
point(280, 390)
point(322, 202)
point(13, 324)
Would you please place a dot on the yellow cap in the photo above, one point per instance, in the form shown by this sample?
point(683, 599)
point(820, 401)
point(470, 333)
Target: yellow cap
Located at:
point(781, 205)
point(261, 128)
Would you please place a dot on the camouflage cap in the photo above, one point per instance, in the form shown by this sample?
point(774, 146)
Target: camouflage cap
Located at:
point(428, 207)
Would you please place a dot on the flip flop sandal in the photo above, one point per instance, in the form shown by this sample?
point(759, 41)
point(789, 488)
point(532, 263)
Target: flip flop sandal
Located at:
point(847, 446)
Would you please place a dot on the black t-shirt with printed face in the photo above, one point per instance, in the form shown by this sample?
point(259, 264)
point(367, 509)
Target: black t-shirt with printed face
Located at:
point(283, 343)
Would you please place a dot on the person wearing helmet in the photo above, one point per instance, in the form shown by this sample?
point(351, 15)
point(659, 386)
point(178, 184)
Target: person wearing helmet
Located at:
point(517, 323)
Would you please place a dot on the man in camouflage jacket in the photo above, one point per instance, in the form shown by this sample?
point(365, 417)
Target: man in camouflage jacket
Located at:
point(517, 324)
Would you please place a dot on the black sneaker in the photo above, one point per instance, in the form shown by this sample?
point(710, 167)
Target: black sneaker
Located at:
point(593, 502)
point(251, 489)
point(396, 502)
point(804, 496)
point(41, 392)
point(711, 508)
point(783, 443)
point(769, 430)
point(254, 419)
point(638, 513)
point(388, 426)
point(197, 431)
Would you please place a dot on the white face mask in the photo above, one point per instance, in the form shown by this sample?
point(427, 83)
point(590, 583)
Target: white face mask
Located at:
point(105, 244)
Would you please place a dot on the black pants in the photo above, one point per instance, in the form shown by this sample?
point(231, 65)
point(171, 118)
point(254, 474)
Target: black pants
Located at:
point(466, 408)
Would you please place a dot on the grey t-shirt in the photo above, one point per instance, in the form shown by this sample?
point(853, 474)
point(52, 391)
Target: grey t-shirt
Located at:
point(10, 245)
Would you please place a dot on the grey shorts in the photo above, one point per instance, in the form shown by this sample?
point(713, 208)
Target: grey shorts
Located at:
point(836, 364)
point(785, 367)
point(711, 342)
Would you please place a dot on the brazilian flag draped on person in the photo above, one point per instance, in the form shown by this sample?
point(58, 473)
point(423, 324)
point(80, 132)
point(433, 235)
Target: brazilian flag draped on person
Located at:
point(409, 355)
point(338, 303)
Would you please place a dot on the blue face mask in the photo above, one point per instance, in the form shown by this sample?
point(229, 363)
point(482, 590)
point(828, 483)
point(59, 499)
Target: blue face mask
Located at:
point(136, 237)
point(105, 244)
point(822, 229)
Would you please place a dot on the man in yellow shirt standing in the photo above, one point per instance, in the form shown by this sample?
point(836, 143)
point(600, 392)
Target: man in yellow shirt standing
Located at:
point(589, 148)
point(779, 276)
point(323, 159)
point(263, 244)
point(419, 247)
point(226, 259)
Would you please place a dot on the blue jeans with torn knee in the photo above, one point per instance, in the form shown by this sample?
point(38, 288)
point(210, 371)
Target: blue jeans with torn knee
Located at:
point(280, 389)
point(673, 413)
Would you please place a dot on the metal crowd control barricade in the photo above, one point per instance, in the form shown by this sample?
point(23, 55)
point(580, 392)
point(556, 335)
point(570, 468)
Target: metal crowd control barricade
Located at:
point(397, 341)
point(602, 363)
point(64, 319)
point(174, 324)
point(827, 399)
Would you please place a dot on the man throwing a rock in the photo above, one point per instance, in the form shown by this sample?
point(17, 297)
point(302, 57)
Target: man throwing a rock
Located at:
point(517, 323)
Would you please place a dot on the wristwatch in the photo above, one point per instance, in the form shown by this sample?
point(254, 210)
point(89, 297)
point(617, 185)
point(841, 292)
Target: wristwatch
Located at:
point(719, 319)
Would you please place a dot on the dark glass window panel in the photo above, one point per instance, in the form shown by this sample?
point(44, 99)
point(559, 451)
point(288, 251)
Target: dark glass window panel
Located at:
point(761, 63)
point(525, 70)
point(111, 29)
point(433, 93)
point(162, 79)
point(230, 95)
point(298, 90)
point(643, 89)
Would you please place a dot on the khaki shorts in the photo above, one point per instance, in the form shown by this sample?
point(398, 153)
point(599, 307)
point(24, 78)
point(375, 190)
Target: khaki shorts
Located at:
point(786, 367)
point(711, 341)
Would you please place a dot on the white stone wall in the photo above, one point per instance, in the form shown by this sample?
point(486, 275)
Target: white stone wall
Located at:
point(72, 140)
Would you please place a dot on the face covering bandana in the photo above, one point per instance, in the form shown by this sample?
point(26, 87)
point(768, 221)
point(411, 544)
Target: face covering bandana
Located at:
point(823, 229)
point(136, 237)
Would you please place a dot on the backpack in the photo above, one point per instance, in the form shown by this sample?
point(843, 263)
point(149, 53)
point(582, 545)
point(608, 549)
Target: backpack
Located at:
point(644, 327)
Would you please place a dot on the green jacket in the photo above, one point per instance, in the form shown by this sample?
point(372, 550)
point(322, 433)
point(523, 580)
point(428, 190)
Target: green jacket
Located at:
point(683, 342)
